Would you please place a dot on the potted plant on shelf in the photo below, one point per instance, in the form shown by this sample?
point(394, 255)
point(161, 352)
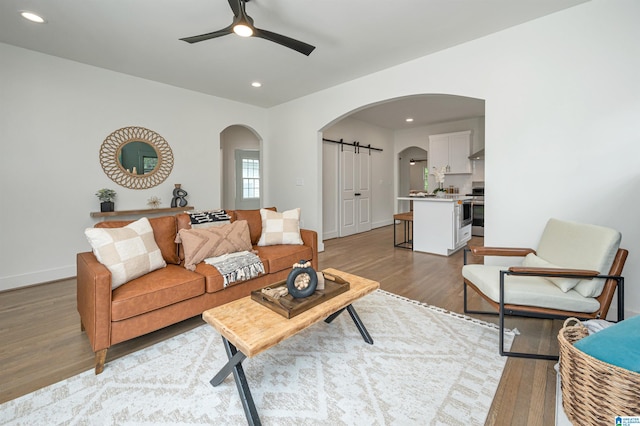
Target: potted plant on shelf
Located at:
point(106, 197)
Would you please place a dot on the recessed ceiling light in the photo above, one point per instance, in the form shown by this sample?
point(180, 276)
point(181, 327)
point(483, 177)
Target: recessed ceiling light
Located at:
point(256, 84)
point(32, 17)
point(408, 120)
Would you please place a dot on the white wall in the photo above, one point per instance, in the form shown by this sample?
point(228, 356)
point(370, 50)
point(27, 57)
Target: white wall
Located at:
point(54, 115)
point(562, 103)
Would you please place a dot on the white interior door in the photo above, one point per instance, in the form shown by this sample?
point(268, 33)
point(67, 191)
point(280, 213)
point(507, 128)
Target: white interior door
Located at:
point(355, 191)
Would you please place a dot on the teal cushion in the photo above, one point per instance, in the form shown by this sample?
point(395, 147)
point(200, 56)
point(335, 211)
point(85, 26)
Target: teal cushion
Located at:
point(618, 345)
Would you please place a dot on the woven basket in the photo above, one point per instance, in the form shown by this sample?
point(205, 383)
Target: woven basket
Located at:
point(594, 392)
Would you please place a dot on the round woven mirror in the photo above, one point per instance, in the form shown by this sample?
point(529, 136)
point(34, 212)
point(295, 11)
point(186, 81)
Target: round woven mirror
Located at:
point(136, 158)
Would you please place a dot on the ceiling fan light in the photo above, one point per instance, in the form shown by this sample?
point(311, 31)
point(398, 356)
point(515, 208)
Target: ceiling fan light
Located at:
point(243, 30)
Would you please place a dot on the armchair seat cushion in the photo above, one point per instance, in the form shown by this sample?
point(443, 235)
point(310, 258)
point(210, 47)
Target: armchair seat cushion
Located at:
point(155, 290)
point(527, 291)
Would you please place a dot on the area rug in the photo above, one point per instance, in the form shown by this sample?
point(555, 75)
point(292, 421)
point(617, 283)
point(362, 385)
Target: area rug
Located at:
point(426, 366)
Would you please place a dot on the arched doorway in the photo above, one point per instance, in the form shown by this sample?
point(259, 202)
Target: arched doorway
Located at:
point(412, 174)
point(385, 123)
point(240, 168)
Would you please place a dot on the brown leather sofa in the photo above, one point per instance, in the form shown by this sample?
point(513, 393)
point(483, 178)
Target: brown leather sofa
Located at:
point(171, 294)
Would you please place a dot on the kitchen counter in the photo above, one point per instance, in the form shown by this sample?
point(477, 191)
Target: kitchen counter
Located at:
point(448, 198)
point(436, 221)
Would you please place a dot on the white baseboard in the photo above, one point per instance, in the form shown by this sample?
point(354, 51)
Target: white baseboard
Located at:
point(330, 235)
point(24, 280)
point(381, 223)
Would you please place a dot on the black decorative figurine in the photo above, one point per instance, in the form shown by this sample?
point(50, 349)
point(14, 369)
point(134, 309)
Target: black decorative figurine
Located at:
point(178, 199)
point(302, 280)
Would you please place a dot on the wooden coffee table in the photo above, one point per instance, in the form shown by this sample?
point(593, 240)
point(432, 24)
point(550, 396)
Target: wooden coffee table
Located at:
point(248, 328)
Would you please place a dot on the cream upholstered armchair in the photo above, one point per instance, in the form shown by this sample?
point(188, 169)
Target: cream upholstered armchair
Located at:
point(573, 273)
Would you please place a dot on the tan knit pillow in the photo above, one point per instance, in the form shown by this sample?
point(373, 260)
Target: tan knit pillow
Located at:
point(280, 228)
point(201, 243)
point(128, 252)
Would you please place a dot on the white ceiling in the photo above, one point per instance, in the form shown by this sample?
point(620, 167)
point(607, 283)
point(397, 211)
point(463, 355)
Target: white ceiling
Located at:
point(423, 109)
point(352, 38)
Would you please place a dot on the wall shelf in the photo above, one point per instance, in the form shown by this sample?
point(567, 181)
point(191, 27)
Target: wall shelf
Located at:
point(141, 211)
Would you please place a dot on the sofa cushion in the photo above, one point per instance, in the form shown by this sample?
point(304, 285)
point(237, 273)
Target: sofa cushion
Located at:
point(164, 233)
point(527, 291)
point(280, 228)
point(213, 279)
point(128, 252)
point(155, 290)
point(580, 246)
point(280, 257)
point(254, 219)
point(564, 284)
point(199, 244)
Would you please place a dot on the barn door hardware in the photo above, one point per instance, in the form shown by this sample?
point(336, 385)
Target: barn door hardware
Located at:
point(356, 145)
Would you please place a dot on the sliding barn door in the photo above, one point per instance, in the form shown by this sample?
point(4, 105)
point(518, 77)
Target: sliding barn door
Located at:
point(355, 191)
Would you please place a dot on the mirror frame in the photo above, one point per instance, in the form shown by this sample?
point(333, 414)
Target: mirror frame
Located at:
point(112, 145)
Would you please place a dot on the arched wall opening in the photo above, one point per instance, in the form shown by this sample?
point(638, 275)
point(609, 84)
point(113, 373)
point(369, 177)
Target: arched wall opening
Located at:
point(240, 144)
point(382, 125)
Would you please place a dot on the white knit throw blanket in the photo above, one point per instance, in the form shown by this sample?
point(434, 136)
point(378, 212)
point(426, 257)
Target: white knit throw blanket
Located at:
point(235, 267)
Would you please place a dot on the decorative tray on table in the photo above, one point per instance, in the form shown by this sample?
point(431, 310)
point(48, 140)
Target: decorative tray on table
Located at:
point(289, 307)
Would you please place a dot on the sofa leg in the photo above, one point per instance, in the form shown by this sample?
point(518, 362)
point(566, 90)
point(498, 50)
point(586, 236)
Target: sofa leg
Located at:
point(101, 357)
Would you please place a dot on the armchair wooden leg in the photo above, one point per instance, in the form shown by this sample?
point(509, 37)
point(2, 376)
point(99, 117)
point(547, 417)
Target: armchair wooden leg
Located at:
point(101, 357)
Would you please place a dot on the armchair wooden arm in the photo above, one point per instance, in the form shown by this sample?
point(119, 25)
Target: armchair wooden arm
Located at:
point(500, 251)
point(555, 272)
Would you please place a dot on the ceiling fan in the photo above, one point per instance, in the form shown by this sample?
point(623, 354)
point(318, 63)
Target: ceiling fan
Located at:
point(243, 26)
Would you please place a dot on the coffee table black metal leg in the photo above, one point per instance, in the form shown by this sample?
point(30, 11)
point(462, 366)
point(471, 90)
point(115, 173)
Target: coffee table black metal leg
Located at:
point(359, 324)
point(333, 316)
point(357, 321)
point(235, 366)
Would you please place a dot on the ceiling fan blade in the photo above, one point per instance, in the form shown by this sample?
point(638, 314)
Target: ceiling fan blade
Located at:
point(208, 36)
point(289, 42)
point(235, 6)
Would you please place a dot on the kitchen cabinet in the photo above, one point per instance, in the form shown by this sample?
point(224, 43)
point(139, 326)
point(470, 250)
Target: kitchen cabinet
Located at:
point(437, 228)
point(451, 150)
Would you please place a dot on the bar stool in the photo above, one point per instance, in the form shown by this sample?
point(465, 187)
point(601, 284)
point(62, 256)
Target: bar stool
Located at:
point(406, 219)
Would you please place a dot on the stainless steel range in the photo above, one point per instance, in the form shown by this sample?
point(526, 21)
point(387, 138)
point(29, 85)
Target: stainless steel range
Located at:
point(477, 206)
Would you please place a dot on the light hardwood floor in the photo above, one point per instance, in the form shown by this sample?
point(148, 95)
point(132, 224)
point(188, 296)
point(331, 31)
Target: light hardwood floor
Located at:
point(41, 341)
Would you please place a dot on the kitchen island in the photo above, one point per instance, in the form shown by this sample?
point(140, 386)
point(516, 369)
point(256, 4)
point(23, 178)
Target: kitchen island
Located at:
point(440, 225)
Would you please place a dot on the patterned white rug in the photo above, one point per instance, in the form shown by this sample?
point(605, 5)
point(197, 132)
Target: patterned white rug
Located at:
point(427, 366)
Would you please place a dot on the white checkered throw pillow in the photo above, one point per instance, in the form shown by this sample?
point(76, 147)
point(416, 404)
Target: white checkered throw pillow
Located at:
point(127, 252)
point(280, 228)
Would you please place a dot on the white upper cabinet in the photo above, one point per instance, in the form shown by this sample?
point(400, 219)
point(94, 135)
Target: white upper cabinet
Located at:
point(451, 150)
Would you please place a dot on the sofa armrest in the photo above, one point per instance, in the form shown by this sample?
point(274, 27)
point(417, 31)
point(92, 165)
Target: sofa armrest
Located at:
point(310, 239)
point(500, 251)
point(94, 299)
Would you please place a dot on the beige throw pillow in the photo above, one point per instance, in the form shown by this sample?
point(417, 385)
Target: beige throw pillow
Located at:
point(280, 228)
point(564, 284)
point(201, 243)
point(128, 252)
